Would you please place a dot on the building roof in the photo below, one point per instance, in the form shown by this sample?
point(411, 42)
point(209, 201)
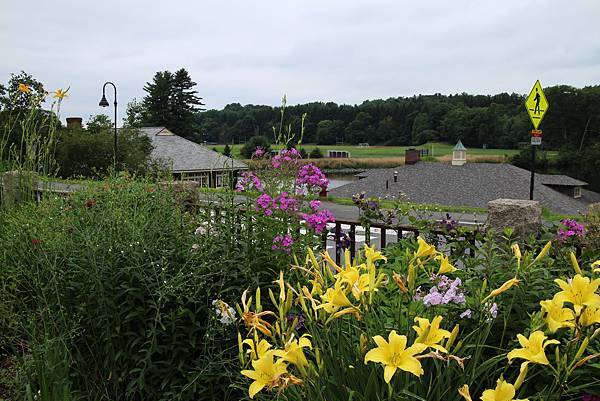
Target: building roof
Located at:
point(459, 146)
point(559, 179)
point(183, 155)
point(473, 184)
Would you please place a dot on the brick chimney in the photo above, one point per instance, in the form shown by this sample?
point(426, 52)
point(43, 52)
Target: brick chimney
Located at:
point(74, 122)
point(411, 156)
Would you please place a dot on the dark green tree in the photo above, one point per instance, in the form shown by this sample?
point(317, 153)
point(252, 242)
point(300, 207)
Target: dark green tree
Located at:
point(227, 151)
point(99, 123)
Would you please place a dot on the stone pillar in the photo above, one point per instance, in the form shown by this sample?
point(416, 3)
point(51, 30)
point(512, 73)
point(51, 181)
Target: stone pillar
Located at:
point(524, 216)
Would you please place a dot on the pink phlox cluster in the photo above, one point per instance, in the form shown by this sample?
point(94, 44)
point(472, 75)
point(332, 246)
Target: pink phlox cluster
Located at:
point(311, 176)
point(259, 152)
point(286, 203)
point(318, 220)
point(444, 291)
point(314, 205)
point(283, 243)
point(571, 229)
point(286, 157)
point(248, 180)
point(265, 203)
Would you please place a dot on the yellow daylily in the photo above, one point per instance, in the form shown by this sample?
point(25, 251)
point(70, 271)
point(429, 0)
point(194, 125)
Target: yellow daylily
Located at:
point(589, 316)
point(266, 373)
point(503, 392)
point(425, 250)
point(504, 287)
point(254, 320)
point(430, 334)
point(543, 252)
point(257, 350)
point(517, 251)
point(556, 316)
point(60, 94)
point(445, 265)
point(373, 255)
point(293, 352)
point(395, 355)
point(464, 392)
point(533, 348)
point(575, 263)
point(24, 88)
point(334, 298)
point(399, 282)
point(579, 291)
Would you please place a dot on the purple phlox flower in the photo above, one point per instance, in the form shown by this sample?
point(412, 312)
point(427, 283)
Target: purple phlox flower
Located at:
point(283, 243)
point(590, 397)
point(265, 203)
point(248, 180)
point(299, 317)
point(318, 220)
point(573, 229)
point(286, 203)
point(444, 291)
point(312, 177)
point(258, 152)
point(285, 157)
point(314, 205)
point(448, 223)
point(466, 314)
point(493, 310)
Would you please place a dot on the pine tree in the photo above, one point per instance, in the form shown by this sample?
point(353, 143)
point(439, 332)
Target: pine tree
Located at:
point(172, 102)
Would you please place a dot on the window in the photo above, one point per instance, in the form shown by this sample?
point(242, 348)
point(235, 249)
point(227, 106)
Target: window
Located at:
point(577, 192)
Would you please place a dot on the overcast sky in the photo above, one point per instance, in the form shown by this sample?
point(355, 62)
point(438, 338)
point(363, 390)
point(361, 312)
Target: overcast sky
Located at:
point(329, 50)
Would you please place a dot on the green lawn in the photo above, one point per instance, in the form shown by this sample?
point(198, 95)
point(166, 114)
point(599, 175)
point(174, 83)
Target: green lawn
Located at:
point(436, 149)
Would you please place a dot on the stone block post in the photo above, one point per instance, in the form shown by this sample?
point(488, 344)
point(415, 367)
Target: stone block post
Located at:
point(524, 216)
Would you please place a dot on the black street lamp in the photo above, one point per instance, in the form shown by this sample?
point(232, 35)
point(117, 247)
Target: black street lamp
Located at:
point(104, 103)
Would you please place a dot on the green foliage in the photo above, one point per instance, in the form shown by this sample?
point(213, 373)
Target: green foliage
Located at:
point(99, 123)
point(256, 141)
point(82, 153)
point(227, 151)
point(315, 153)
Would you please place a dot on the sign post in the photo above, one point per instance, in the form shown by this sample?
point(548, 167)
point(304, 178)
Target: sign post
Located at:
point(536, 105)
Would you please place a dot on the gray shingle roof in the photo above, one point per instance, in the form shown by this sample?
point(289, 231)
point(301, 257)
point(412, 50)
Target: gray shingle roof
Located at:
point(183, 155)
point(473, 184)
point(559, 179)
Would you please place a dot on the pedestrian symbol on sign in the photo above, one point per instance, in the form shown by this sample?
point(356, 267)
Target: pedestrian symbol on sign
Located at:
point(536, 104)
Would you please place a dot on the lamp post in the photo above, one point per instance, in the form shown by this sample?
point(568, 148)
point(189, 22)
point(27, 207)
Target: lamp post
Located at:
point(104, 103)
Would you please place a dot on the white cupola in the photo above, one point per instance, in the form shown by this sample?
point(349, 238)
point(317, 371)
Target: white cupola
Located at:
point(459, 154)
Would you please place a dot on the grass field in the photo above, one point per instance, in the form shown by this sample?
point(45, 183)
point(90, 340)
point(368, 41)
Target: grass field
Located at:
point(435, 149)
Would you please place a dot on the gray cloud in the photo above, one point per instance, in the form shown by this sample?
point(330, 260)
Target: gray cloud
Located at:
point(332, 50)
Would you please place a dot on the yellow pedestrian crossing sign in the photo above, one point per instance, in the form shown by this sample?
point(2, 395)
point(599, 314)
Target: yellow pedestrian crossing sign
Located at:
point(536, 104)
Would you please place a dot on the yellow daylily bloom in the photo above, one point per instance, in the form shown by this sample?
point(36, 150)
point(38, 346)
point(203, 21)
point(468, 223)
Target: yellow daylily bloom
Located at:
point(575, 263)
point(504, 287)
point(373, 255)
point(425, 250)
point(60, 94)
point(395, 355)
point(445, 265)
point(503, 392)
point(266, 373)
point(253, 320)
point(293, 352)
point(543, 252)
point(556, 316)
point(334, 298)
point(517, 251)
point(358, 283)
point(257, 350)
point(589, 316)
point(464, 392)
point(533, 348)
point(24, 88)
point(430, 334)
point(579, 291)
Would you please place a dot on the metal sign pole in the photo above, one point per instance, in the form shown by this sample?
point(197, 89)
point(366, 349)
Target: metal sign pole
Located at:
point(532, 181)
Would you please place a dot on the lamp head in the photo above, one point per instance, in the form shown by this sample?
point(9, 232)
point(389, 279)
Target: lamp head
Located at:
point(103, 101)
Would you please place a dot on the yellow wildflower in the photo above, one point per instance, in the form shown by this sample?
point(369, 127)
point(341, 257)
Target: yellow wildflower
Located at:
point(589, 316)
point(556, 316)
point(579, 291)
point(373, 255)
point(503, 392)
point(543, 252)
point(504, 287)
point(533, 348)
point(425, 250)
point(464, 392)
point(257, 350)
point(60, 94)
point(24, 88)
point(445, 265)
point(266, 373)
point(394, 355)
point(430, 334)
point(293, 352)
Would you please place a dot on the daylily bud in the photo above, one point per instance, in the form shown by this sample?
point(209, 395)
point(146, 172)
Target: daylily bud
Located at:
point(399, 282)
point(543, 252)
point(464, 392)
point(522, 375)
point(575, 264)
point(504, 287)
point(411, 277)
point(452, 337)
point(517, 251)
point(582, 348)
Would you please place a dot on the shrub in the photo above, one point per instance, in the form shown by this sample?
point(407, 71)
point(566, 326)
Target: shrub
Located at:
point(316, 153)
point(255, 142)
